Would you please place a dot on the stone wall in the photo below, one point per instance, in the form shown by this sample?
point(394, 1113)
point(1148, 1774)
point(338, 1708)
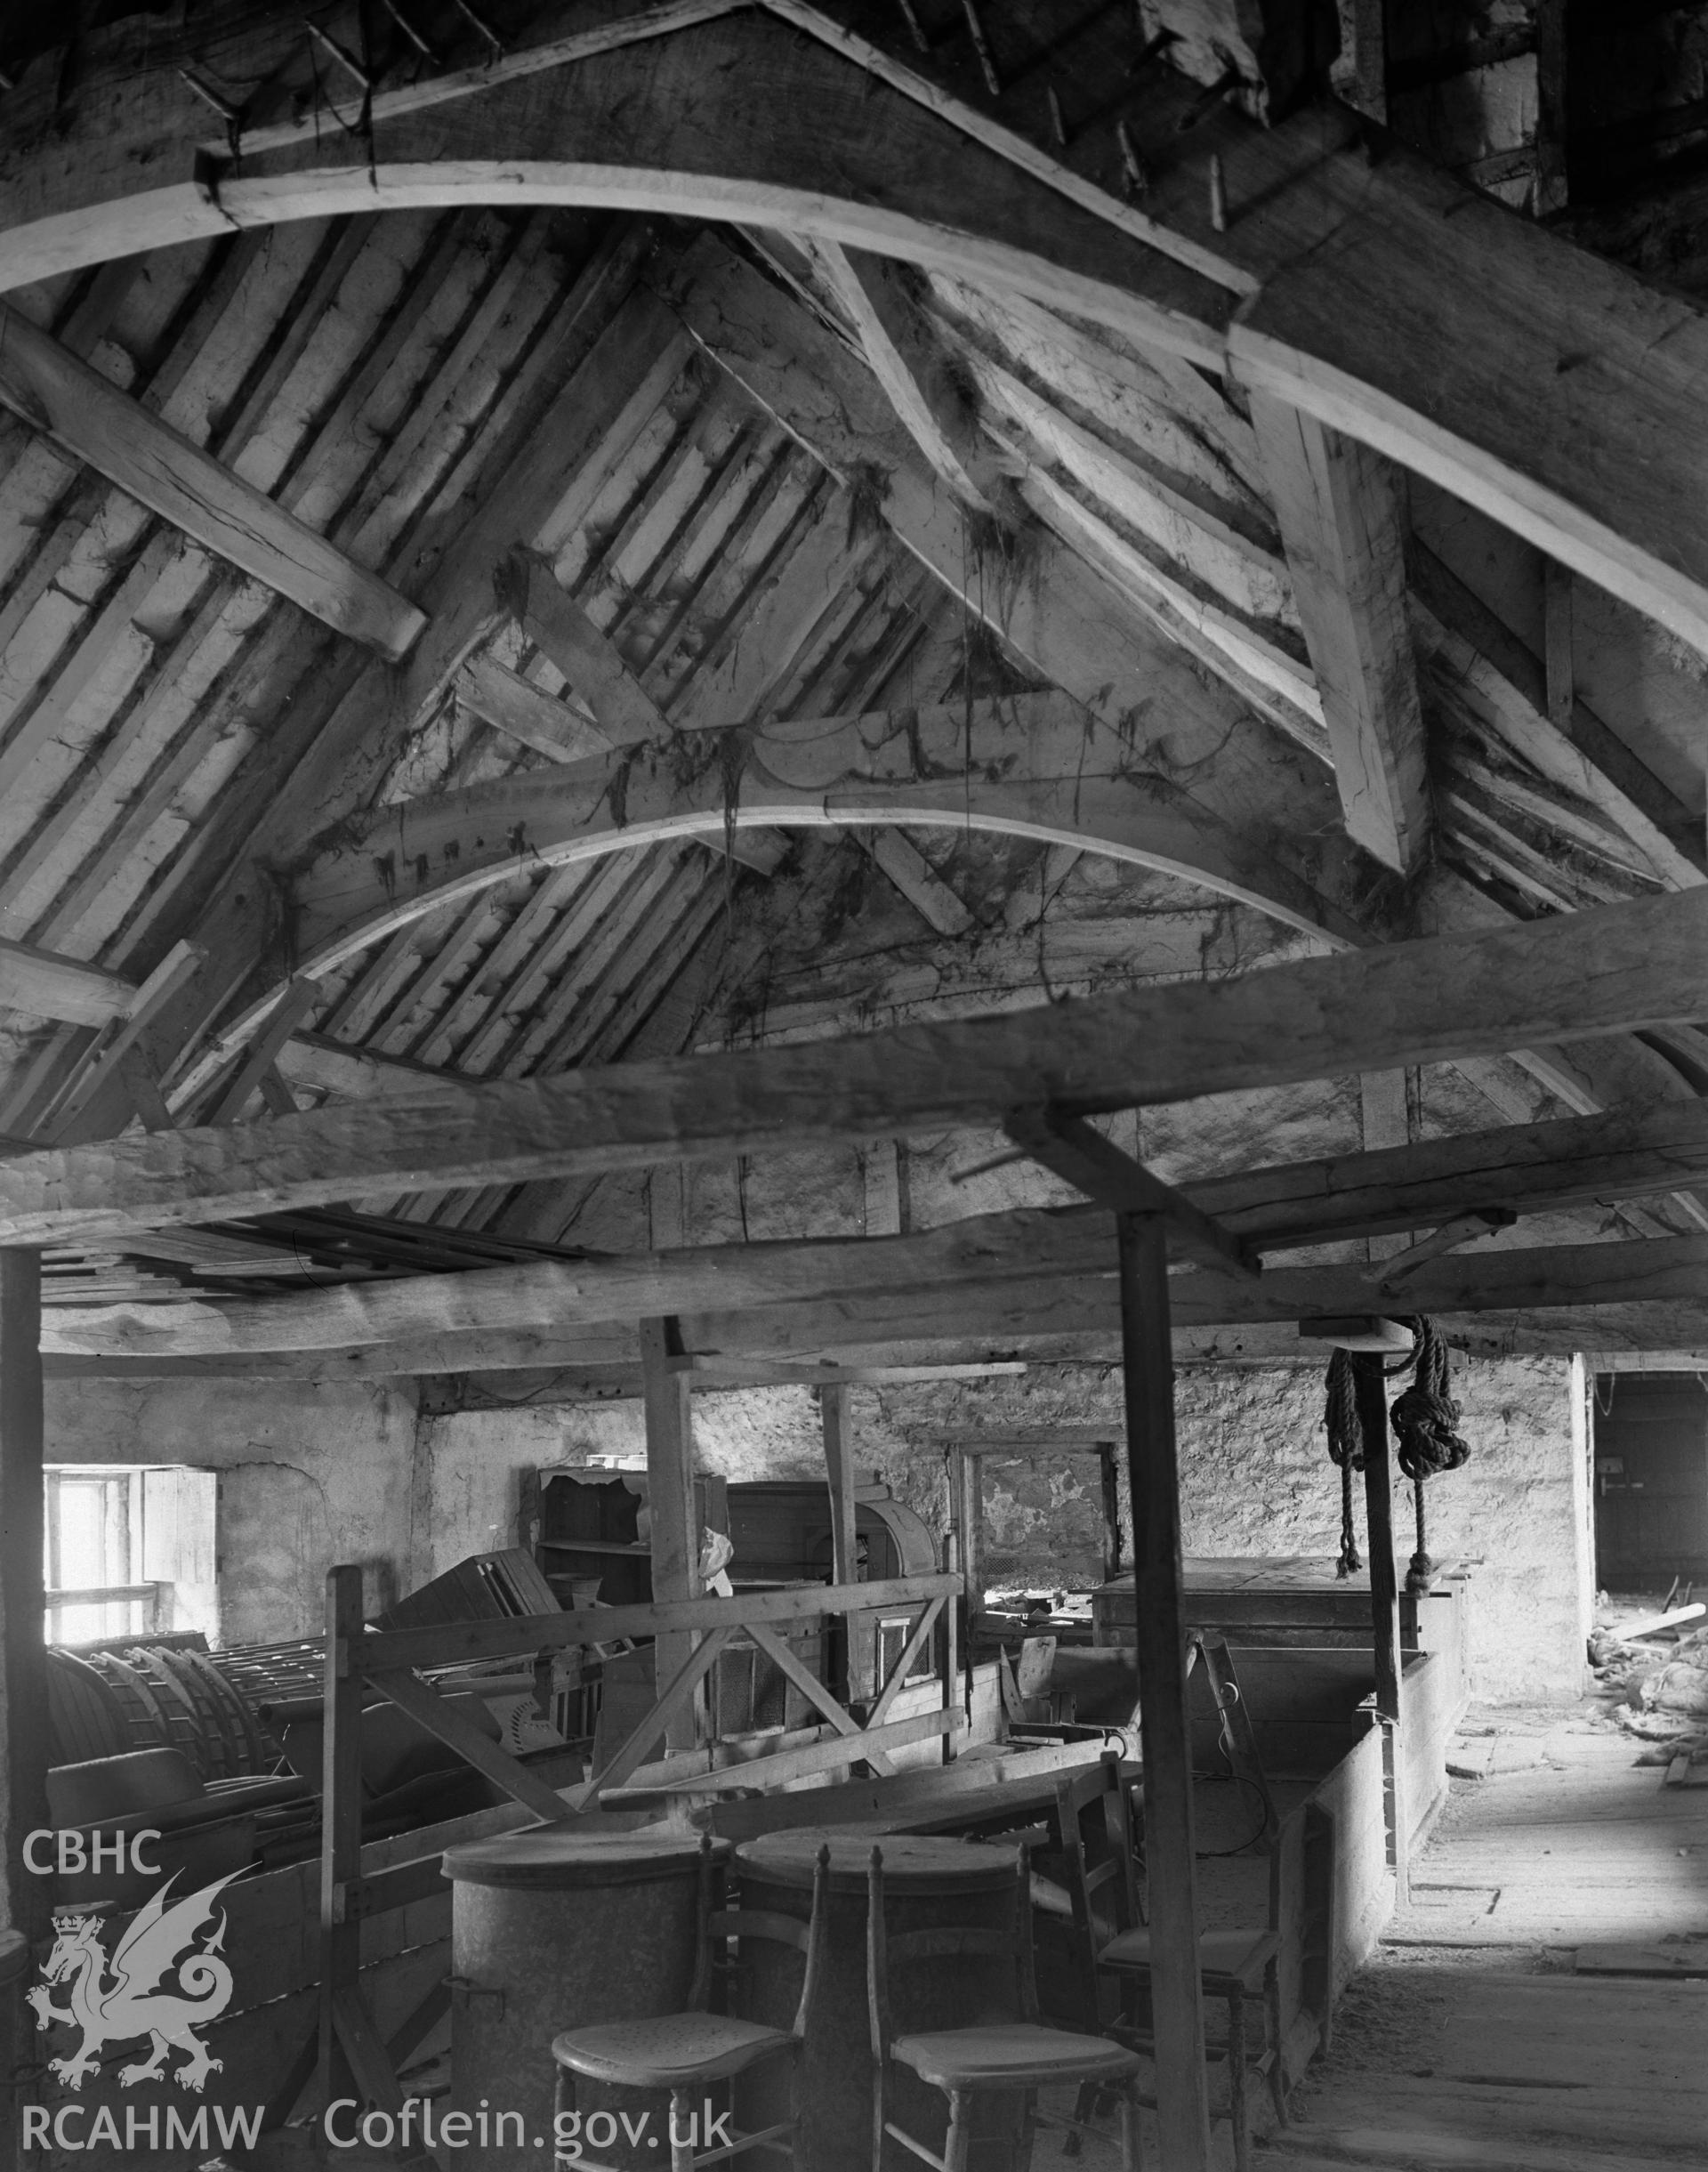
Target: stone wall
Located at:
point(313, 1475)
point(1255, 1478)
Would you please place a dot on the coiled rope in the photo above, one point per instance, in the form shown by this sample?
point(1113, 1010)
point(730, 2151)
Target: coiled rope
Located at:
point(1423, 1419)
point(1345, 1448)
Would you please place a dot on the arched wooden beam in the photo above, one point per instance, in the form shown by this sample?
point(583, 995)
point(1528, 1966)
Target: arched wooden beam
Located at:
point(737, 121)
point(1031, 765)
point(1034, 765)
point(782, 115)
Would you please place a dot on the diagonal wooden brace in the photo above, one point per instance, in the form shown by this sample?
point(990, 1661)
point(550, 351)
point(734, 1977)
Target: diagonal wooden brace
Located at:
point(1081, 1155)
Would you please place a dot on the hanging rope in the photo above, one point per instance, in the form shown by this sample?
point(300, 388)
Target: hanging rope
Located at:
point(1345, 1448)
point(1423, 1419)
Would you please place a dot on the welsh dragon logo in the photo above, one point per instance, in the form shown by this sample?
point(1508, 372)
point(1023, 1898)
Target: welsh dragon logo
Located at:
point(160, 1942)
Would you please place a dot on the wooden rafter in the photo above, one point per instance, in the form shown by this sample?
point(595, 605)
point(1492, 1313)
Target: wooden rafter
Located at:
point(60, 394)
point(1340, 508)
point(918, 880)
point(600, 371)
point(1574, 977)
point(1341, 267)
point(899, 350)
point(47, 986)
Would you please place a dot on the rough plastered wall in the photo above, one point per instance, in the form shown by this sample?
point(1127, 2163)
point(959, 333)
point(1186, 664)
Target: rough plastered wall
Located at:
point(1255, 1478)
point(309, 1475)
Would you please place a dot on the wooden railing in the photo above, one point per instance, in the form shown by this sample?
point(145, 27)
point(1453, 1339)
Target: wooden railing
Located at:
point(388, 1661)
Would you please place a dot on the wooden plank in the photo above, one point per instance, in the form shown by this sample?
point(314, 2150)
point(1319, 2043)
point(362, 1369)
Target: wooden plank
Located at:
point(1341, 512)
point(814, 1691)
point(670, 1499)
point(1153, 1478)
point(1631, 1959)
point(90, 1100)
point(1570, 977)
point(1079, 1154)
point(909, 365)
point(48, 985)
point(1384, 1598)
point(458, 1732)
point(556, 624)
point(1559, 670)
point(341, 1823)
point(672, 1714)
point(23, 1666)
point(449, 1643)
point(527, 712)
point(832, 1753)
point(293, 1006)
point(87, 416)
point(839, 1474)
point(918, 880)
point(1467, 641)
point(917, 1638)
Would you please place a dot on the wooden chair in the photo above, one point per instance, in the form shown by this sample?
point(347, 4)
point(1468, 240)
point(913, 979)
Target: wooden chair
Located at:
point(1013, 2052)
point(1239, 1967)
point(684, 2052)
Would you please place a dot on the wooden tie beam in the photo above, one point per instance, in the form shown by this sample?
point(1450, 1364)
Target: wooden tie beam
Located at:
point(1573, 976)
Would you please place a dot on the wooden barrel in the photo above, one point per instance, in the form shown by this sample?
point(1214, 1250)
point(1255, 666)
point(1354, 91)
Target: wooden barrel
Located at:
point(553, 1928)
point(930, 1883)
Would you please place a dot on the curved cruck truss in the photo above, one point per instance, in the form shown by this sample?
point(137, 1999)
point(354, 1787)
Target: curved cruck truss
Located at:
point(539, 452)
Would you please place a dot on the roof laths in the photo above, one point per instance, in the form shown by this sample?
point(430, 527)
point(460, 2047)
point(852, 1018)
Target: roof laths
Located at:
point(1315, 250)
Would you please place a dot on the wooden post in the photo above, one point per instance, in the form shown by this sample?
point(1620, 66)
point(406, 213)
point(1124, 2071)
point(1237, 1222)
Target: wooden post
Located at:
point(968, 1480)
point(23, 1666)
point(1384, 1594)
point(952, 1692)
point(341, 1811)
point(838, 1471)
point(1109, 1481)
point(1147, 1355)
point(670, 1499)
point(348, 2038)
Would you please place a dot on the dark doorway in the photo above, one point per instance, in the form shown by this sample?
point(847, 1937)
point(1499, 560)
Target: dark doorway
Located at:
point(1651, 1480)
